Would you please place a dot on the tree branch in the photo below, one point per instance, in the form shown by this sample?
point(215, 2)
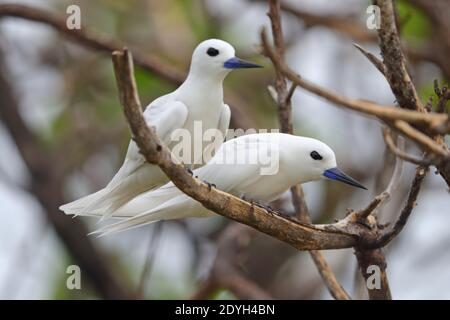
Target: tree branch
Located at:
point(387, 136)
point(389, 234)
point(385, 113)
point(367, 258)
point(225, 272)
point(394, 60)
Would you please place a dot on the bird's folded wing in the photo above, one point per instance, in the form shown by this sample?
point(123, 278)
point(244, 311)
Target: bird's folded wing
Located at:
point(164, 118)
point(221, 135)
point(237, 165)
point(224, 121)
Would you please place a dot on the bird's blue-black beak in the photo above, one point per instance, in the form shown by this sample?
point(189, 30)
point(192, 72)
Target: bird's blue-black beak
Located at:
point(236, 63)
point(337, 174)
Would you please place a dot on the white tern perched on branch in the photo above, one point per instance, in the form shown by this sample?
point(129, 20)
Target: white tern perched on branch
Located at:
point(236, 168)
point(199, 99)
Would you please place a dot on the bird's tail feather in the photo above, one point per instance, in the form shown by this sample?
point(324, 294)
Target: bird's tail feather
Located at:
point(177, 207)
point(78, 207)
point(103, 203)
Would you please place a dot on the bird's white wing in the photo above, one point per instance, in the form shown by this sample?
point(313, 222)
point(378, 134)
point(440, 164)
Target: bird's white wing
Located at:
point(231, 170)
point(164, 116)
point(135, 175)
point(221, 135)
point(237, 165)
point(224, 121)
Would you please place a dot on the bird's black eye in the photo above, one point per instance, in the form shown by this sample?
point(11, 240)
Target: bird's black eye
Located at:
point(315, 155)
point(212, 52)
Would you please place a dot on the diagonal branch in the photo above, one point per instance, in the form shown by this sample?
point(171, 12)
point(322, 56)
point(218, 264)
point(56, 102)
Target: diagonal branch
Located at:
point(385, 113)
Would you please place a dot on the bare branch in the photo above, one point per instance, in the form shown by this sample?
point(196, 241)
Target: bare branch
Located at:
point(389, 234)
point(387, 136)
point(387, 193)
point(149, 258)
point(370, 258)
point(372, 58)
point(422, 139)
point(385, 113)
point(225, 272)
point(394, 60)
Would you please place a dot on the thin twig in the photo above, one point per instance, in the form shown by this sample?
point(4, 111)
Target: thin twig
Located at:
point(389, 234)
point(422, 139)
point(372, 58)
point(387, 113)
point(387, 193)
point(226, 273)
point(149, 259)
point(387, 136)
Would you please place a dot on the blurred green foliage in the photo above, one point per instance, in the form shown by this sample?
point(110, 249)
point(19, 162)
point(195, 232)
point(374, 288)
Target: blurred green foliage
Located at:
point(415, 26)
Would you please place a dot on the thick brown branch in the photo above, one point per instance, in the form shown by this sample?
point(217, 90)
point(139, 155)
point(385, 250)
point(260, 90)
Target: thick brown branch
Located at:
point(394, 60)
point(366, 260)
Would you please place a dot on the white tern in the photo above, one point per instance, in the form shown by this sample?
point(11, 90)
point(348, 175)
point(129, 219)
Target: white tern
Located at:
point(199, 99)
point(236, 168)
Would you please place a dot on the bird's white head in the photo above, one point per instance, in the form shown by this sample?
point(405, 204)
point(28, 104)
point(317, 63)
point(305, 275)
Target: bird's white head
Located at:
point(216, 57)
point(319, 161)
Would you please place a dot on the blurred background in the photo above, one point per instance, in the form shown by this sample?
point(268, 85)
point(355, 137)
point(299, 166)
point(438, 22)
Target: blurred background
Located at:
point(63, 135)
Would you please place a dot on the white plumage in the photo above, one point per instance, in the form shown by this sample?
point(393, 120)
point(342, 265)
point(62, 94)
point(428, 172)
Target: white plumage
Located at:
point(199, 98)
point(239, 168)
